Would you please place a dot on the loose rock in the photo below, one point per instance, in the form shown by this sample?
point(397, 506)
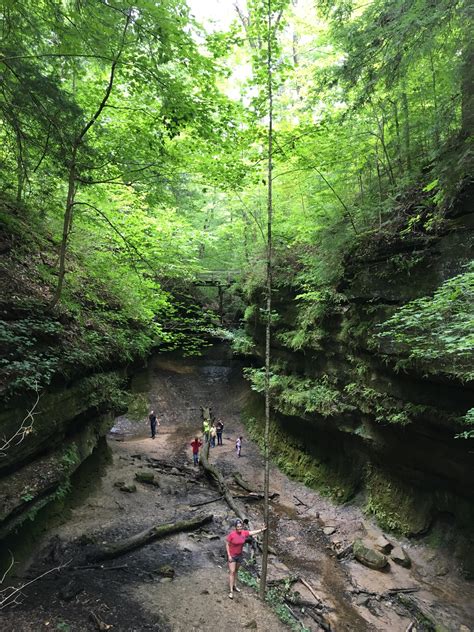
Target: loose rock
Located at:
point(400, 557)
point(166, 570)
point(130, 488)
point(145, 477)
point(369, 557)
point(383, 545)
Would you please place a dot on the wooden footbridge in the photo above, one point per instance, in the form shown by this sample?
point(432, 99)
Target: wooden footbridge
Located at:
point(216, 278)
point(220, 279)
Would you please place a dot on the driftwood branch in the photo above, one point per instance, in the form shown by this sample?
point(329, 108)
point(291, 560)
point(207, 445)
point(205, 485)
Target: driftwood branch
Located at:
point(11, 595)
point(299, 501)
point(110, 551)
point(207, 502)
point(311, 590)
point(99, 624)
point(94, 567)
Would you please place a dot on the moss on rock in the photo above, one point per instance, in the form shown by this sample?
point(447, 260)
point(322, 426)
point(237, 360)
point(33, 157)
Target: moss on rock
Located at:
point(397, 506)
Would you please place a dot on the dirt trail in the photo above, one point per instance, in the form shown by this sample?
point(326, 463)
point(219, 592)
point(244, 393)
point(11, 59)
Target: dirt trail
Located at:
point(136, 596)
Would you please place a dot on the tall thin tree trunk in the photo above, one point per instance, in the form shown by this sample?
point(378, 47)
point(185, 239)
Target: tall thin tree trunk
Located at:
point(435, 102)
point(467, 85)
point(397, 132)
point(381, 127)
point(406, 130)
point(266, 482)
point(20, 166)
point(67, 224)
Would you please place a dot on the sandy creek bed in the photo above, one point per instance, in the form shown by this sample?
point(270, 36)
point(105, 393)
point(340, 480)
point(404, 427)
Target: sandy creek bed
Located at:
point(130, 595)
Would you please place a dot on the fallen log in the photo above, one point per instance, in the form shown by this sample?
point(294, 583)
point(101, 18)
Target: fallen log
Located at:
point(216, 477)
point(254, 496)
point(110, 551)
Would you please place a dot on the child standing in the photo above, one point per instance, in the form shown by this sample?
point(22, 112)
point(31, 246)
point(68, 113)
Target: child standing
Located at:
point(238, 446)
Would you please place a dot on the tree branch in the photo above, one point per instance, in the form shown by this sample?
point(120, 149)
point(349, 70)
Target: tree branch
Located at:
point(26, 427)
point(10, 595)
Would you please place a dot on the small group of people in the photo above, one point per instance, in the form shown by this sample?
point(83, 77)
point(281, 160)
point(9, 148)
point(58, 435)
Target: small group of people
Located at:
point(234, 546)
point(212, 431)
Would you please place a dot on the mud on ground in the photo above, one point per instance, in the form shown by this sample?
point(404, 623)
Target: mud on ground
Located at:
point(180, 583)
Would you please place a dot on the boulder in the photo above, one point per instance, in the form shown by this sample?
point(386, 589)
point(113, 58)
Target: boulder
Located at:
point(145, 477)
point(130, 488)
point(383, 545)
point(369, 557)
point(329, 530)
point(362, 600)
point(166, 571)
point(400, 557)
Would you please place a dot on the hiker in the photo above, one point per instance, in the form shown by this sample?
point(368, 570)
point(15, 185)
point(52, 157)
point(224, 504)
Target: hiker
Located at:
point(195, 445)
point(238, 446)
point(234, 544)
point(219, 430)
point(250, 542)
point(213, 435)
point(153, 423)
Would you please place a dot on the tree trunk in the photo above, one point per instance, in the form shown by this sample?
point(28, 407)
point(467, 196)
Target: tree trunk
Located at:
point(467, 88)
point(435, 102)
point(111, 551)
point(217, 478)
point(67, 224)
point(397, 132)
point(406, 130)
point(20, 166)
point(266, 436)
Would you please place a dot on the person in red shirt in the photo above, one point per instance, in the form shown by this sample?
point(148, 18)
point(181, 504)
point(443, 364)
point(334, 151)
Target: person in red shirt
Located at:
point(196, 444)
point(234, 544)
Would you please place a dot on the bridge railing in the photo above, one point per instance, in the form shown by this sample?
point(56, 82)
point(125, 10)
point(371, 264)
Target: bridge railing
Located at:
point(217, 277)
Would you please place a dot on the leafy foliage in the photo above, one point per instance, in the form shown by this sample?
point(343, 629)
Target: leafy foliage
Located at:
point(436, 332)
point(294, 395)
